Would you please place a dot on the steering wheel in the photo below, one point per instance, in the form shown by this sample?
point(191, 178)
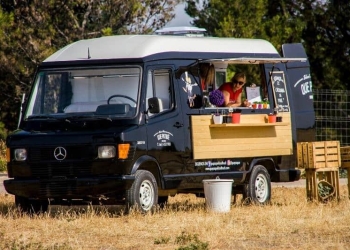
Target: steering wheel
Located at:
point(123, 96)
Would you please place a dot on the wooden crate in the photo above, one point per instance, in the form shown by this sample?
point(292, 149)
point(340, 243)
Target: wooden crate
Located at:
point(345, 163)
point(322, 154)
point(345, 157)
point(313, 178)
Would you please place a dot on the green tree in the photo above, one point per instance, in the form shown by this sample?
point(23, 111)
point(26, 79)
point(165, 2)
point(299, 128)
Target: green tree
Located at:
point(246, 18)
point(327, 41)
point(31, 30)
point(223, 18)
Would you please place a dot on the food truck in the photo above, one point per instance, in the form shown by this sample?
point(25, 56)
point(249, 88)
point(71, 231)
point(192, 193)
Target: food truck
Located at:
point(127, 120)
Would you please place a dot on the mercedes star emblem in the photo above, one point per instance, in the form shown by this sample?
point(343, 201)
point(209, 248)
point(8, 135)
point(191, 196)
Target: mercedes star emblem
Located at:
point(60, 153)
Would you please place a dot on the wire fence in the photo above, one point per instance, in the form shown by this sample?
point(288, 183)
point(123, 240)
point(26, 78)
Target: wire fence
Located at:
point(332, 110)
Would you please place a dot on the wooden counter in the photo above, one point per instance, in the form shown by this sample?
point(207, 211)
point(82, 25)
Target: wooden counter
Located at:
point(251, 137)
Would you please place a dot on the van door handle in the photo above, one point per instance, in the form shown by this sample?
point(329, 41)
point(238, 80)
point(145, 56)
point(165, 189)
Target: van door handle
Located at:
point(178, 125)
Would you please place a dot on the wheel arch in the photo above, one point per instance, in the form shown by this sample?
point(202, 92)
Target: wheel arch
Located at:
point(267, 162)
point(150, 164)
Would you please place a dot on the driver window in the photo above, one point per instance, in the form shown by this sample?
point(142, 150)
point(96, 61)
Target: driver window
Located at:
point(158, 85)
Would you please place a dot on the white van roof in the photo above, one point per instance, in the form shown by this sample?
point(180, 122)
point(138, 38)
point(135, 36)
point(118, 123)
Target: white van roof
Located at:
point(143, 46)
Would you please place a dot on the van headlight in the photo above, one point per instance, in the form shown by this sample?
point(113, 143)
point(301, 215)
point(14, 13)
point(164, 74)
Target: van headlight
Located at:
point(20, 154)
point(106, 152)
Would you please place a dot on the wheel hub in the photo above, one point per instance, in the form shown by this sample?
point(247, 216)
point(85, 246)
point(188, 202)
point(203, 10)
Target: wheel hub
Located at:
point(146, 195)
point(261, 189)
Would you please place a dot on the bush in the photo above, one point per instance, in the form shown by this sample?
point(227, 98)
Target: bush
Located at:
point(2, 156)
point(190, 242)
point(3, 132)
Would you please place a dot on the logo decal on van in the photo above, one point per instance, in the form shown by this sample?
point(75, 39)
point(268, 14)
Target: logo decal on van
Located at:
point(306, 85)
point(218, 165)
point(60, 153)
point(163, 138)
point(188, 89)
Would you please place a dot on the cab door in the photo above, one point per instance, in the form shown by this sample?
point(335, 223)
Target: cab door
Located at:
point(165, 129)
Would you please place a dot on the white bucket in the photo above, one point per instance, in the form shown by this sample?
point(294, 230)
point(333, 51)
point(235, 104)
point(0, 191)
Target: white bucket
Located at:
point(218, 194)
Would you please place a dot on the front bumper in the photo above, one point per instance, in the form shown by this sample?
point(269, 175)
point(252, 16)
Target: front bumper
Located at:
point(70, 188)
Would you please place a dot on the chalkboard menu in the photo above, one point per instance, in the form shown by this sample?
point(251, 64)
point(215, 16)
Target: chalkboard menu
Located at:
point(280, 90)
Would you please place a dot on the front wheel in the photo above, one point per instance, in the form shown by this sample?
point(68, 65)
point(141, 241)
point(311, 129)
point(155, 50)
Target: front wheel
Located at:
point(258, 189)
point(143, 194)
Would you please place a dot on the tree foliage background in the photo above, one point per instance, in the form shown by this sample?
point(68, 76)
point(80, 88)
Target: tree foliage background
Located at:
point(31, 30)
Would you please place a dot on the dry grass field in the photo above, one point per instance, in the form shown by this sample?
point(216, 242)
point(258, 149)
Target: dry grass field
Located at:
point(290, 222)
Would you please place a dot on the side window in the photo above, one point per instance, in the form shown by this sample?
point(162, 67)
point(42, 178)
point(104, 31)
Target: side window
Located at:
point(244, 83)
point(159, 86)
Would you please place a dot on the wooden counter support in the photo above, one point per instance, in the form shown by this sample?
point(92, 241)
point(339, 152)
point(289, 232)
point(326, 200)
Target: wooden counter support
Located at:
point(252, 137)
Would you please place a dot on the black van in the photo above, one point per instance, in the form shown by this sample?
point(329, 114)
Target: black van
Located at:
point(127, 120)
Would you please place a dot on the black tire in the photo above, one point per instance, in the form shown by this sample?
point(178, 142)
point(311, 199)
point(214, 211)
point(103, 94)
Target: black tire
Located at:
point(258, 189)
point(31, 206)
point(143, 194)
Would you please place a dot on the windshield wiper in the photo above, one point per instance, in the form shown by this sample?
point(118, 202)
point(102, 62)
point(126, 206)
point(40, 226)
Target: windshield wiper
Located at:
point(68, 119)
point(47, 117)
point(77, 117)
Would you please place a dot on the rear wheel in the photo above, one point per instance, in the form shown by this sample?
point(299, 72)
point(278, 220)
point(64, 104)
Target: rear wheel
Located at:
point(31, 206)
point(258, 189)
point(143, 194)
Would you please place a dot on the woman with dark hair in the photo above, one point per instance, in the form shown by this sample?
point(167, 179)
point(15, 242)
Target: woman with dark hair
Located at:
point(207, 75)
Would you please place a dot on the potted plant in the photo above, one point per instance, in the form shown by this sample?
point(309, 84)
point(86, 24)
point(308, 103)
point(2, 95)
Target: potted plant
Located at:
point(255, 105)
point(216, 98)
point(266, 104)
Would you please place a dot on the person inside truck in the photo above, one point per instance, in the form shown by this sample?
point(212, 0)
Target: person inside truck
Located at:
point(207, 76)
point(232, 91)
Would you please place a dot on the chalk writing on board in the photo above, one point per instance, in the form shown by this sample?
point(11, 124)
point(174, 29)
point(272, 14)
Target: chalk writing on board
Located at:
point(280, 90)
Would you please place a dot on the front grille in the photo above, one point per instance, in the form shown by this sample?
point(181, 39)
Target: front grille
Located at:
point(58, 169)
point(57, 188)
point(40, 154)
point(77, 162)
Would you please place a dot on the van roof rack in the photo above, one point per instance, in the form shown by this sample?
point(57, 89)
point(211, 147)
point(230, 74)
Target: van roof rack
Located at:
point(182, 31)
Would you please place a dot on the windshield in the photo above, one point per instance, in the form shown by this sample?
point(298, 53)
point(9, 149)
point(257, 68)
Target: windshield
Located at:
point(103, 91)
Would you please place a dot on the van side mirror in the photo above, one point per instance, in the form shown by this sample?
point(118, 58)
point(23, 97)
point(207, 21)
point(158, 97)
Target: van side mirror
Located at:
point(154, 105)
point(21, 110)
